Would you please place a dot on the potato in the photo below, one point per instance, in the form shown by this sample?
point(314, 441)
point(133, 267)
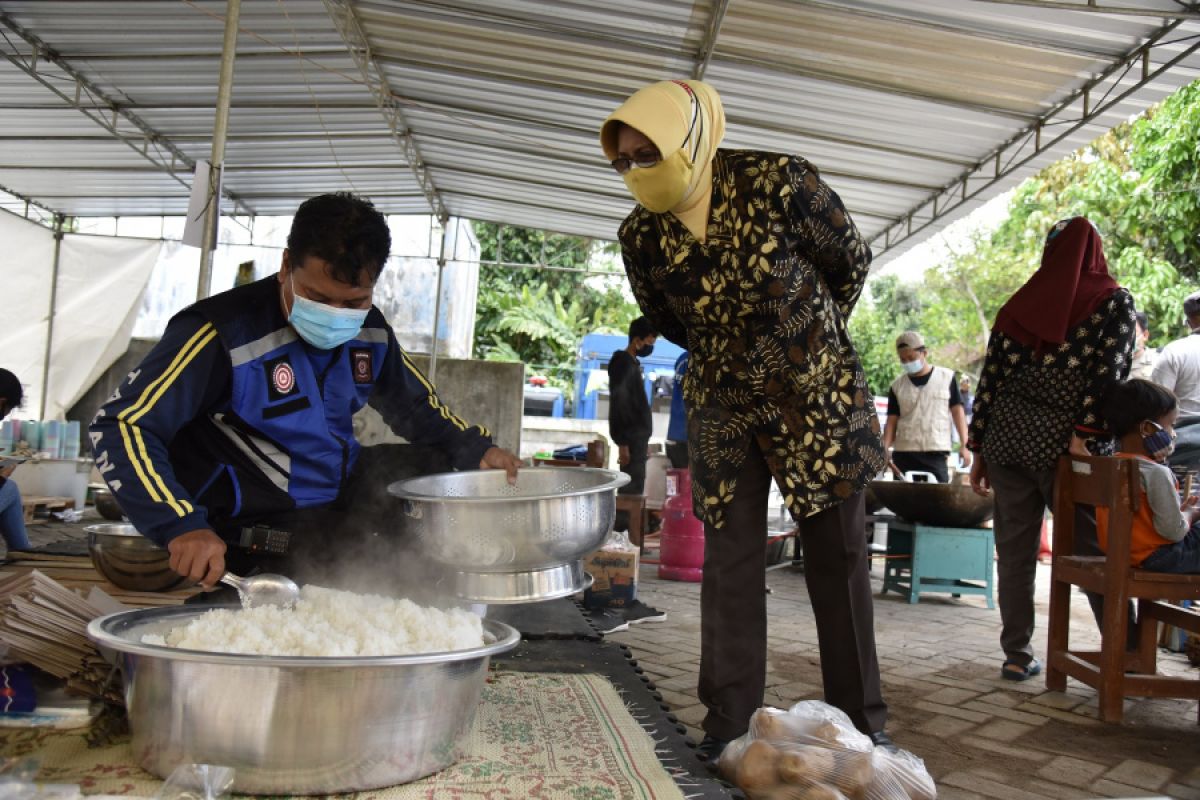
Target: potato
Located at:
point(826, 732)
point(807, 766)
point(776, 726)
point(759, 767)
point(854, 773)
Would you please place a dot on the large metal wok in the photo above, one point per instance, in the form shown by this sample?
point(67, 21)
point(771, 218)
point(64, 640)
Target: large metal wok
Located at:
point(295, 725)
point(945, 505)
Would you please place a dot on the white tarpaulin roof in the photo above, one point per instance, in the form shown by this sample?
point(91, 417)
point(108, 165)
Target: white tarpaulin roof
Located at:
point(917, 111)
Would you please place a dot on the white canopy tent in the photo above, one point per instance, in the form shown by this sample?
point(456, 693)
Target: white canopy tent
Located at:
point(917, 111)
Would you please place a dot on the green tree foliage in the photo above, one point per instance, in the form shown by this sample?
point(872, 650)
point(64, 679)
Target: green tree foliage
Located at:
point(1139, 183)
point(536, 300)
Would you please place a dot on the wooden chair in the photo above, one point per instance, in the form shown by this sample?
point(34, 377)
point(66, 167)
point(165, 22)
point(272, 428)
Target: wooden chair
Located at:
point(1112, 671)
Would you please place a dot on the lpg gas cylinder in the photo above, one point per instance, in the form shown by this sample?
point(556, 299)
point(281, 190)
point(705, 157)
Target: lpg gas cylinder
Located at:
point(682, 539)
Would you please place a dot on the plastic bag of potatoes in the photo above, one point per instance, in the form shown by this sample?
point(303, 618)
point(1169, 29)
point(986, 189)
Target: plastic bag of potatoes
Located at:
point(813, 752)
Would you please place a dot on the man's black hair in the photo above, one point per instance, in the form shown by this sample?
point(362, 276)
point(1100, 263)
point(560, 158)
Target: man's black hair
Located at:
point(640, 328)
point(10, 389)
point(1126, 405)
point(1142, 319)
point(344, 230)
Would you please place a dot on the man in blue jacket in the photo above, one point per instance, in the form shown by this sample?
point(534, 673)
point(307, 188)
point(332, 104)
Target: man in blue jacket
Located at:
point(233, 442)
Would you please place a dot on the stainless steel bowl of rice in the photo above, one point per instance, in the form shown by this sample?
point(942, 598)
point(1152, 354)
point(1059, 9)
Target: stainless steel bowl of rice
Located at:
point(295, 724)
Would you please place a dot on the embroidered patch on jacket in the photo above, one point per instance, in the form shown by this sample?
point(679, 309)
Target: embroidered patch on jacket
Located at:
point(281, 378)
point(360, 364)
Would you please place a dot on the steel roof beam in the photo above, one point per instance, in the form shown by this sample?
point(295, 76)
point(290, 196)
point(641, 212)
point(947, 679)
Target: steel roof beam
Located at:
point(346, 21)
point(705, 52)
point(89, 100)
point(1081, 108)
point(29, 201)
point(876, 14)
point(1185, 11)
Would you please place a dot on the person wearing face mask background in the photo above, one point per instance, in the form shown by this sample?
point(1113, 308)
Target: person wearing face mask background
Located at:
point(235, 432)
point(750, 262)
point(629, 420)
point(1166, 532)
point(922, 405)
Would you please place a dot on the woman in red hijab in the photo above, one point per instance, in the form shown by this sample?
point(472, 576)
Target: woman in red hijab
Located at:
point(1057, 345)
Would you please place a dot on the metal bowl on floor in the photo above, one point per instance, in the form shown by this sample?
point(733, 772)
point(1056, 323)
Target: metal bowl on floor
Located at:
point(107, 505)
point(511, 544)
point(295, 725)
point(945, 505)
point(127, 559)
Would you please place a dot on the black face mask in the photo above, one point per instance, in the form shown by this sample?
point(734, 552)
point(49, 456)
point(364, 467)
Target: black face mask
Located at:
point(645, 350)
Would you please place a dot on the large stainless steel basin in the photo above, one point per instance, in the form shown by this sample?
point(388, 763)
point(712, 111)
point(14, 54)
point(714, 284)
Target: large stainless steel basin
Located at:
point(295, 725)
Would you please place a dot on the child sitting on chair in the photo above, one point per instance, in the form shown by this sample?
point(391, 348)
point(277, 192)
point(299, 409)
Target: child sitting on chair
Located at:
point(1165, 535)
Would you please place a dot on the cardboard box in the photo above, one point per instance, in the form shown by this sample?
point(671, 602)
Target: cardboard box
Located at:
point(615, 575)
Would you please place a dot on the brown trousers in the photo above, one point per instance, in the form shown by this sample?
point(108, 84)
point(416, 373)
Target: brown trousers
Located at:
point(733, 602)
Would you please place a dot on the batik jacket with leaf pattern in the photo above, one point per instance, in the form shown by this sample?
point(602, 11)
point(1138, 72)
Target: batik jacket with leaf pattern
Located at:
point(762, 306)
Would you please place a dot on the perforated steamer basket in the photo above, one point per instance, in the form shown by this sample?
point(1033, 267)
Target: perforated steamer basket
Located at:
point(511, 544)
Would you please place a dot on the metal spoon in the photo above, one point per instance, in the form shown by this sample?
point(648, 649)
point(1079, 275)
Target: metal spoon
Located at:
point(264, 590)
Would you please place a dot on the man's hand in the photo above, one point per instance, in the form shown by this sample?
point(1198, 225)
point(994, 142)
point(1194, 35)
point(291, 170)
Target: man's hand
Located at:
point(965, 455)
point(499, 458)
point(1078, 446)
point(199, 555)
point(623, 454)
point(979, 477)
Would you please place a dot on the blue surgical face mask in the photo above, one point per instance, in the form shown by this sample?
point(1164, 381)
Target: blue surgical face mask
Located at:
point(1160, 444)
point(645, 350)
point(323, 326)
point(913, 367)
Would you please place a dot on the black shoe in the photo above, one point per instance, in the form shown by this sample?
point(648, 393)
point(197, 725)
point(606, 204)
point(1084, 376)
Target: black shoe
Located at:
point(881, 739)
point(638, 612)
point(710, 749)
point(607, 620)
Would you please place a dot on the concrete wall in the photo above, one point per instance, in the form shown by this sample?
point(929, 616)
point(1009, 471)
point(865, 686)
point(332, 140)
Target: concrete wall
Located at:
point(102, 389)
point(488, 393)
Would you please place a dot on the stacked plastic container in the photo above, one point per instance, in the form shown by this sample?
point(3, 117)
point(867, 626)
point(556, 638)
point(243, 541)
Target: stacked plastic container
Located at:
point(48, 439)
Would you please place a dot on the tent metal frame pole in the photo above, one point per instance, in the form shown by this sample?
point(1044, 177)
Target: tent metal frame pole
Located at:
point(345, 19)
point(437, 304)
point(212, 212)
point(1123, 77)
point(54, 73)
point(59, 221)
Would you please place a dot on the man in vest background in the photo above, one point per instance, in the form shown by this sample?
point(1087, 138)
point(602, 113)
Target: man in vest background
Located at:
point(923, 404)
point(232, 444)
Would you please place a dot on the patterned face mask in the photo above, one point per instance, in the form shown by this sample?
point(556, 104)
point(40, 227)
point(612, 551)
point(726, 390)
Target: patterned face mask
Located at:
point(1160, 444)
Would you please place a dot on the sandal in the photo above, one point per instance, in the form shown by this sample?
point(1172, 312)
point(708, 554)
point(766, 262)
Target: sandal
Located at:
point(1012, 671)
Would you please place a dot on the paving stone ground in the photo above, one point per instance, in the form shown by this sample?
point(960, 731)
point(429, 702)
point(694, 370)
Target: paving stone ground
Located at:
point(980, 736)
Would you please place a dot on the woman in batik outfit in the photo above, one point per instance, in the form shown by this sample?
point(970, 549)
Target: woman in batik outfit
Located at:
point(750, 261)
point(1057, 345)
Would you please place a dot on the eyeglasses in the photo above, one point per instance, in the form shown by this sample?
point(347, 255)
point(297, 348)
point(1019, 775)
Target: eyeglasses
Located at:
point(644, 159)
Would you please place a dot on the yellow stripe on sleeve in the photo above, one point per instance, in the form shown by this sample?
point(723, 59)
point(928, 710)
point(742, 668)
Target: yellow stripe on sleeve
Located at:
point(135, 445)
point(434, 402)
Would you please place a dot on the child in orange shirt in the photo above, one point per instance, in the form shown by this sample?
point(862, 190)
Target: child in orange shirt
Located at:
point(1166, 536)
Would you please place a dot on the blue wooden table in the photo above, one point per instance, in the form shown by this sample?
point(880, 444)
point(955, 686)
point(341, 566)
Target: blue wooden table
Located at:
point(926, 558)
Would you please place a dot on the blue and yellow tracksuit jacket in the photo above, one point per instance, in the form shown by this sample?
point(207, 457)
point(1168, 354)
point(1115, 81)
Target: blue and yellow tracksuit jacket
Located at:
point(232, 417)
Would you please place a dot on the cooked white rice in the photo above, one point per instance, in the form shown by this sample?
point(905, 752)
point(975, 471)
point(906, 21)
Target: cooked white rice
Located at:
point(327, 622)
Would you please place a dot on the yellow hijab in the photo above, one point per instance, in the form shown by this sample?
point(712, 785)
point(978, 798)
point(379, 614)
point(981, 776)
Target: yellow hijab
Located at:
point(676, 115)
